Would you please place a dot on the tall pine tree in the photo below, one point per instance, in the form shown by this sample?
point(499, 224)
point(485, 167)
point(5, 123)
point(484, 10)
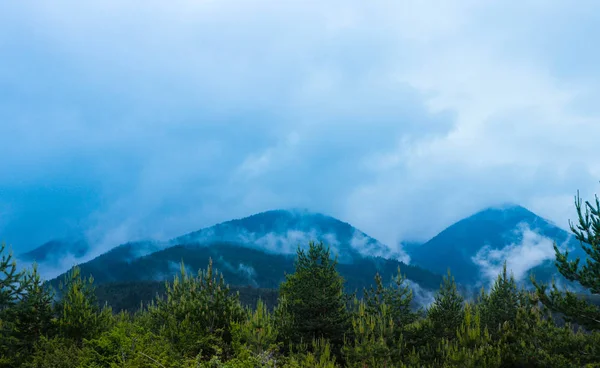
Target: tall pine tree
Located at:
point(315, 298)
point(572, 307)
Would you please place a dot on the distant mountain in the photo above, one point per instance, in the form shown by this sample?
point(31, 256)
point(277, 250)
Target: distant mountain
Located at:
point(55, 250)
point(282, 231)
point(479, 241)
point(257, 250)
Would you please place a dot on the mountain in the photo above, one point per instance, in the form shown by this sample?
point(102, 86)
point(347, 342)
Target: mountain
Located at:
point(257, 250)
point(55, 250)
point(282, 231)
point(470, 247)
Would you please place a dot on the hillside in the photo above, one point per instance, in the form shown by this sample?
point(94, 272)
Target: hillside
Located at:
point(476, 242)
point(54, 250)
point(257, 250)
point(243, 265)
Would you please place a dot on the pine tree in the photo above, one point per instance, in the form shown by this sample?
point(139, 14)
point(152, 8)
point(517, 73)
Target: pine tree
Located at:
point(12, 282)
point(473, 346)
point(501, 304)
point(398, 296)
point(315, 298)
point(32, 318)
point(446, 313)
point(79, 315)
point(567, 303)
point(196, 313)
point(374, 341)
point(257, 334)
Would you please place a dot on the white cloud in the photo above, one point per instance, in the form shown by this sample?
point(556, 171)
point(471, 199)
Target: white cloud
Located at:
point(400, 117)
point(532, 250)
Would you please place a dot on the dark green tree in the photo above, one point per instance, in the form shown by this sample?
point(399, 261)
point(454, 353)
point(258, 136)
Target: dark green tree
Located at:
point(397, 295)
point(315, 298)
point(196, 314)
point(569, 304)
point(79, 315)
point(447, 311)
point(30, 319)
point(501, 304)
point(12, 282)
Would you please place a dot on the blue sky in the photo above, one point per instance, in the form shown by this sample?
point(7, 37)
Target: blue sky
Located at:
point(128, 120)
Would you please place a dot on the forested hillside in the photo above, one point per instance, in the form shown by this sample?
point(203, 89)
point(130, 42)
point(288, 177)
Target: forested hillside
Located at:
point(199, 322)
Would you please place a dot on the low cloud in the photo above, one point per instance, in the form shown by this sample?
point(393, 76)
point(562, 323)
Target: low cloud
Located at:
point(531, 251)
point(422, 297)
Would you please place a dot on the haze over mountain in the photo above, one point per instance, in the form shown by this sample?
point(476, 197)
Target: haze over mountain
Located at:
point(258, 250)
point(475, 248)
point(399, 117)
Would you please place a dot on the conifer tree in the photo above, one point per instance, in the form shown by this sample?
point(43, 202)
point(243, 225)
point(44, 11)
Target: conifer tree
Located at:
point(446, 313)
point(32, 318)
point(196, 313)
point(574, 308)
point(79, 315)
point(315, 298)
point(374, 341)
point(398, 296)
point(473, 346)
point(12, 282)
point(501, 304)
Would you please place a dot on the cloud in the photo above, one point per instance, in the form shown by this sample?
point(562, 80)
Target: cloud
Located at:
point(126, 122)
point(532, 250)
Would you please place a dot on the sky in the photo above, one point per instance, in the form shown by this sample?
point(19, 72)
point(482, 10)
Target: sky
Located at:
point(135, 120)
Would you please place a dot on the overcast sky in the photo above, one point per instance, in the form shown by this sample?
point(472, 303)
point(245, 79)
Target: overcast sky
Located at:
point(128, 120)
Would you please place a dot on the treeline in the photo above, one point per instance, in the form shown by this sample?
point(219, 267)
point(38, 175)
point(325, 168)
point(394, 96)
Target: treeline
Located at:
point(199, 322)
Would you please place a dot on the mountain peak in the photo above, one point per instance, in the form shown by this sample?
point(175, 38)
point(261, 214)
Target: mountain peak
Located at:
point(283, 230)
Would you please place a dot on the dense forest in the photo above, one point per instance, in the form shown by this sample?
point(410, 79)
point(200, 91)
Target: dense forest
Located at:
point(310, 321)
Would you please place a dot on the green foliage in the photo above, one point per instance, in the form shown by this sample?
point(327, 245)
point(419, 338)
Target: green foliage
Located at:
point(56, 352)
point(500, 306)
point(196, 314)
point(315, 298)
point(129, 345)
point(447, 312)
point(374, 340)
point(79, 316)
point(197, 322)
point(398, 296)
point(12, 282)
point(27, 321)
point(573, 308)
point(473, 346)
point(256, 336)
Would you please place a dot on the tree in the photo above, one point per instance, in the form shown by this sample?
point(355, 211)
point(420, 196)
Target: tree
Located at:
point(79, 315)
point(398, 296)
point(446, 313)
point(374, 341)
point(12, 282)
point(472, 347)
point(196, 313)
point(315, 298)
point(31, 319)
point(573, 308)
point(501, 304)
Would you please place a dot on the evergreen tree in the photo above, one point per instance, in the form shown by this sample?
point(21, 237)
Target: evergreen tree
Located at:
point(30, 319)
point(196, 313)
point(257, 335)
point(398, 296)
point(446, 313)
point(501, 304)
point(315, 298)
point(374, 341)
point(473, 346)
point(573, 308)
point(79, 315)
point(12, 282)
